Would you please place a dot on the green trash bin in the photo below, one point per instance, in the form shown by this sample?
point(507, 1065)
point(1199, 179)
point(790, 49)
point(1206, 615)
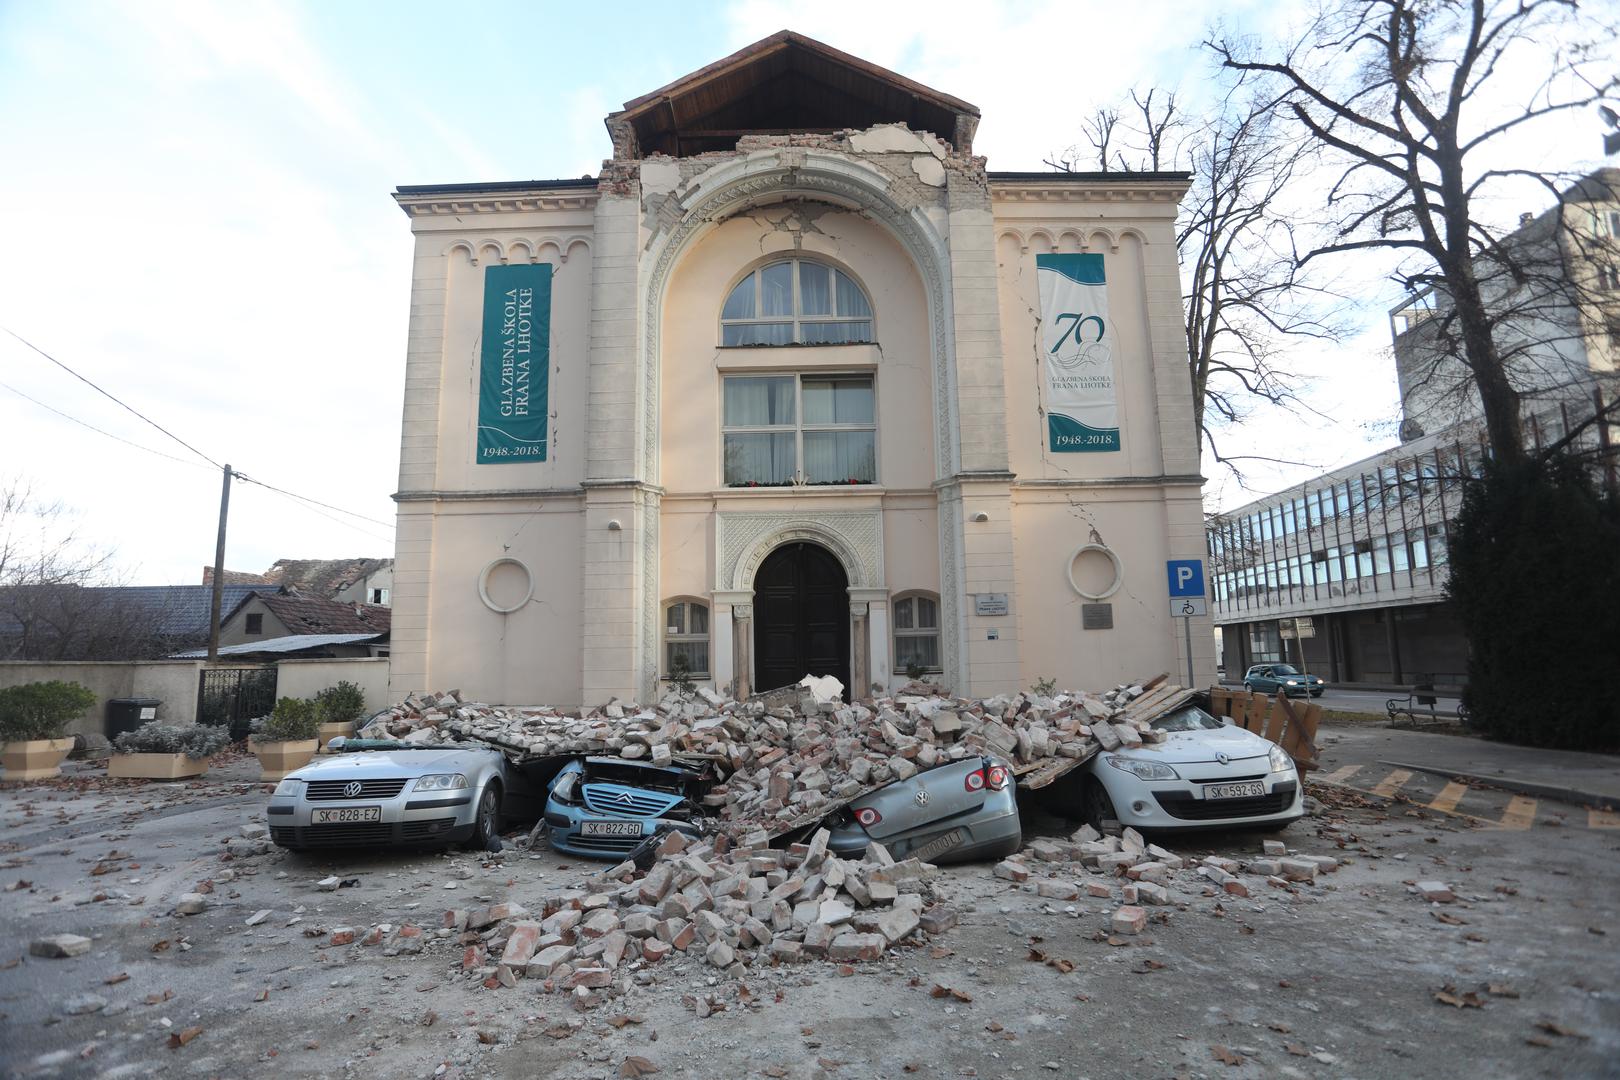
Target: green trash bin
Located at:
point(128, 713)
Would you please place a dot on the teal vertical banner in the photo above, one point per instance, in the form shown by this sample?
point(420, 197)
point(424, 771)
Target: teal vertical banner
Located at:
point(1077, 354)
point(515, 364)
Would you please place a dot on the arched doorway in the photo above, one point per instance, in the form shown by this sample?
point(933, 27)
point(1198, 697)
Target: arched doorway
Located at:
point(801, 617)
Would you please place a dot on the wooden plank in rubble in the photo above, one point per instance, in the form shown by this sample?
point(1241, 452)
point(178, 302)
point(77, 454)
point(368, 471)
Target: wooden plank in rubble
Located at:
point(1149, 700)
point(1299, 735)
point(1039, 774)
point(1178, 698)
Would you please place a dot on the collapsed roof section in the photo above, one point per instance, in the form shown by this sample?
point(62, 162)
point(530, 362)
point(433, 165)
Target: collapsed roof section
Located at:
point(786, 84)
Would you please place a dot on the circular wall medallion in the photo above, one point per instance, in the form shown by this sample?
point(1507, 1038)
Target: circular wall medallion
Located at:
point(1094, 550)
point(505, 585)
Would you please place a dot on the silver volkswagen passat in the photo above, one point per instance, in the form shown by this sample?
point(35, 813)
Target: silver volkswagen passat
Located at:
point(377, 792)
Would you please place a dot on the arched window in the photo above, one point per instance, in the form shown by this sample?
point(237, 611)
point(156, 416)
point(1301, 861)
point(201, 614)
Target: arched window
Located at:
point(796, 302)
point(916, 632)
point(686, 637)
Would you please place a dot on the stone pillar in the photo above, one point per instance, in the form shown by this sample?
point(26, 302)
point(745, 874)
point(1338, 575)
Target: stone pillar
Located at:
point(874, 603)
point(723, 637)
point(861, 647)
point(742, 625)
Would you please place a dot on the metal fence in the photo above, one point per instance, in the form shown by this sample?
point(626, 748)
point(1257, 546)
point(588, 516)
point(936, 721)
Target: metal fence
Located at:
point(232, 697)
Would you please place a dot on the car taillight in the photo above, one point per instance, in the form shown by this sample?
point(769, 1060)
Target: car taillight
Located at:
point(868, 816)
point(975, 780)
point(996, 777)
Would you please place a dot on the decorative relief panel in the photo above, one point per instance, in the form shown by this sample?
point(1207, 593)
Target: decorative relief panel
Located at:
point(744, 538)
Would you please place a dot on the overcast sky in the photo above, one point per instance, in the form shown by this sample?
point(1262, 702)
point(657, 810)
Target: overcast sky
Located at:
point(196, 217)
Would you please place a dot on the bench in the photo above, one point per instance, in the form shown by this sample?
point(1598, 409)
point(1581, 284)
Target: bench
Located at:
point(1420, 706)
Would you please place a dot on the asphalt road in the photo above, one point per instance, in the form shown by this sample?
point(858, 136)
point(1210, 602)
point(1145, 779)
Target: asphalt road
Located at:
point(1363, 701)
point(1339, 978)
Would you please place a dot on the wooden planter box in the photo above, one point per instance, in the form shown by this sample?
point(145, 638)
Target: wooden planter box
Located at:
point(277, 759)
point(155, 766)
point(34, 759)
point(329, 732)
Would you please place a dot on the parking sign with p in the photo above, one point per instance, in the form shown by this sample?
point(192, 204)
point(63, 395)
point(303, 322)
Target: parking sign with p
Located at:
point(1186, 577)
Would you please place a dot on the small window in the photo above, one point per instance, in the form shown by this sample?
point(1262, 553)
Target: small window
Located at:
point(379, 596)
point(686, 638)
point(255, 624)
point(796, 302)
point(916, 633)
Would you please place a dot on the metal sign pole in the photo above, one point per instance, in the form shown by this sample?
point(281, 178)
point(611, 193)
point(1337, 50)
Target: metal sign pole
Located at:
point(1186, 624)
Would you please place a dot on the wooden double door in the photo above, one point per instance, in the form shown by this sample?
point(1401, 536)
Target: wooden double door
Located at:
point(801, 617)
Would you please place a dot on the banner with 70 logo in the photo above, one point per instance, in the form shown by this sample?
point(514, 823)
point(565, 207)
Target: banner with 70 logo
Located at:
point(1082, 415)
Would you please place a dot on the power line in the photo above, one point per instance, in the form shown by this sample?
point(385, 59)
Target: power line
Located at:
point(110, 397)
point(117, 438)
point(329, 517)
point(235, 473)
point(315, 502)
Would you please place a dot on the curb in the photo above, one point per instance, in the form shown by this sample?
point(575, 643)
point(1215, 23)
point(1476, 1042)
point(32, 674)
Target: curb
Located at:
point(1523, 787)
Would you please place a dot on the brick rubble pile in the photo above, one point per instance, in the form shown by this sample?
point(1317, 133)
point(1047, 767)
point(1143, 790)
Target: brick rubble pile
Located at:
point(747, 906)
point(786, 756)
point(711, 907)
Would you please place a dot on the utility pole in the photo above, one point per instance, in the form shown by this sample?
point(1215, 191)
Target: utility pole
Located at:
point(219, 569)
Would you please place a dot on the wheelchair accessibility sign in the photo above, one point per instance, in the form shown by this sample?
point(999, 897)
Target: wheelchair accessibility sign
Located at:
point(1186, 580)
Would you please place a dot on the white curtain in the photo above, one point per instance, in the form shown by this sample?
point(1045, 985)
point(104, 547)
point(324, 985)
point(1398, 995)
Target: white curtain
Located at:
point(815, 298)
point(761, 402)
point(836, 333)
point(758, 334)
point(759, 458)
point(837, 401)
point(839, 456)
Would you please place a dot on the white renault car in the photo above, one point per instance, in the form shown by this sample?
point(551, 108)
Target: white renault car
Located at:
point(1206, 774)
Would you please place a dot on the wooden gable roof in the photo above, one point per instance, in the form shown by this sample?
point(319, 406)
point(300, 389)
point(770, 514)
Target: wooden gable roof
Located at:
point(784, 84)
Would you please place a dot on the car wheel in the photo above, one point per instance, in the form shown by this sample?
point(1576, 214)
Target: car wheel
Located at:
point(487, 824)
point(1316, 693)
point(1097, 807)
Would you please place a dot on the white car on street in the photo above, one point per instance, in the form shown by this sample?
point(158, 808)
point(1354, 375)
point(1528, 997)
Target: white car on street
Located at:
point(1206, 774)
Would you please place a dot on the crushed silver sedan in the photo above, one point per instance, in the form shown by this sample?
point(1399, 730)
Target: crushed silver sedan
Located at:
point(957, 812)
point(379, 792)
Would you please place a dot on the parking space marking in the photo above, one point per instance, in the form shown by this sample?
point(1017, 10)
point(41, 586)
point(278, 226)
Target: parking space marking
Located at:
point(1389, 785)
point(1449, 797)
point(1520, 813)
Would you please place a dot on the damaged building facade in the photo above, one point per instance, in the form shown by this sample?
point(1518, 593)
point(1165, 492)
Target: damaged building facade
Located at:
point(794, 385)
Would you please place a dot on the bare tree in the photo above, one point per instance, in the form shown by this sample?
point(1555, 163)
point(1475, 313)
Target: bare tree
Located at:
point(1406, 98)
point(54, 603)
point(1246, 297)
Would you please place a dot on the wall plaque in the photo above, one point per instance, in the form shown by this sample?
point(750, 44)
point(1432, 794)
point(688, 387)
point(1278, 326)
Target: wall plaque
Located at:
point(1096, 616)
point(990, 603)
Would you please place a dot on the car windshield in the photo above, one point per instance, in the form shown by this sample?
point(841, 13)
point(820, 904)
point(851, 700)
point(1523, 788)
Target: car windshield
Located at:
point(1192, 718)
point(1284, 669)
